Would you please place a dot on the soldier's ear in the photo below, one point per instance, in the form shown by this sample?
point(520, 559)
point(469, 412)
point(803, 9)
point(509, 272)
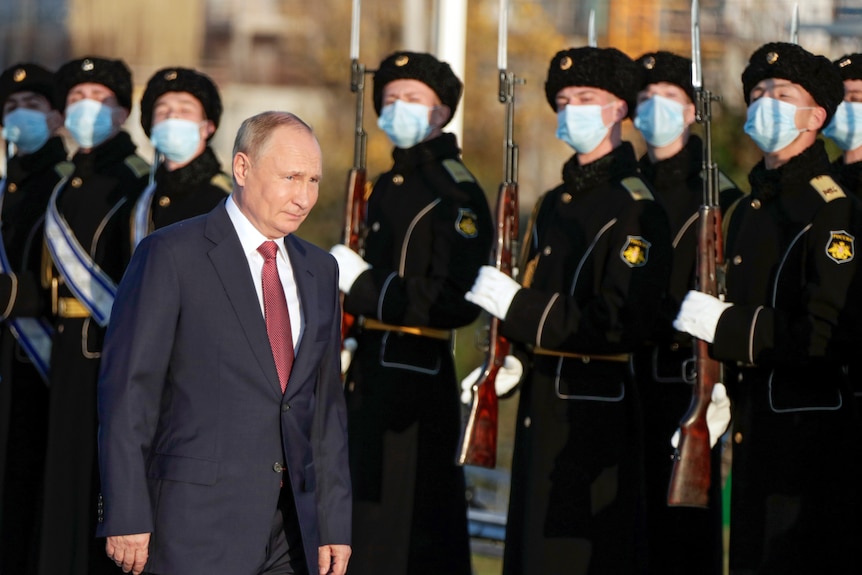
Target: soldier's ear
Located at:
point(817, 119)
point(440, 115)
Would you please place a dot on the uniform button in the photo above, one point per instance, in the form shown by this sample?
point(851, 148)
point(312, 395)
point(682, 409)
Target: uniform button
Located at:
point(76, 182)
point(164, 201)
point(737, 437)
point(566, 197)
point(60, 328)
point(375, 227)
point(739, 377)
point(737, 260)
point(755, 203)
point(12, 187)
point(277, 467)
point(547, 250)
point(285, 406)
point(351, 386)
point(527, 422)
point(397, 179)
point(674, 347)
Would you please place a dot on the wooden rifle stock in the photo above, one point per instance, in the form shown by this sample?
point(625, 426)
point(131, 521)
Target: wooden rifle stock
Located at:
point(692, 468)
point(479, 442)
point(354, 221)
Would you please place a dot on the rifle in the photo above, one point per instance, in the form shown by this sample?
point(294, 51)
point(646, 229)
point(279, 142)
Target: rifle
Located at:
point(478, 445)
point(690, 478)
point(353, 234)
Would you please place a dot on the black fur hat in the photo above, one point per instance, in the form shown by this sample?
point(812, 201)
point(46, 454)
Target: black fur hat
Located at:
point(792, 62)
point(418, 66)
point(604, 68)
point(849, 66)
point(26, 78)
point(666, 67)
point(113, 74)
point(180, 80)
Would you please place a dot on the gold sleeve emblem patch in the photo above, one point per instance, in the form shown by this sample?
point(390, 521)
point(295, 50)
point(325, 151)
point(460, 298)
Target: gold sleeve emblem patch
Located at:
point(466, 223)
point(840, 248)
point(636, 252)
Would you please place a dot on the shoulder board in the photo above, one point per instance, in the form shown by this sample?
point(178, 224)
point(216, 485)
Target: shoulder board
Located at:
point(458, 171)
point(64, 169)
point(637, 188)
point(138, 165)
point(223, 181)
point(725, 183)
point(827, 188)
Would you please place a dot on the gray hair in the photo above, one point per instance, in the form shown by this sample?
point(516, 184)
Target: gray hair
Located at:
point(254, 132)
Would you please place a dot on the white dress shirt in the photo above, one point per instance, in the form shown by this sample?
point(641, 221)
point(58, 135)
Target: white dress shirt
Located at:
point(251, 239)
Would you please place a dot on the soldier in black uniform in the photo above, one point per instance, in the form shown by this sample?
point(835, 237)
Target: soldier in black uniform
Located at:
point(681, 539)
point(598, 254)
point(88, 240)
point(845, 129)
point(787, 327)
point(180, 112)
point(429, 230)
point(30, 121)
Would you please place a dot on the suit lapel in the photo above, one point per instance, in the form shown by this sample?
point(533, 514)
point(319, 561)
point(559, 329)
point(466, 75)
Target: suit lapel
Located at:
point(306, 285)
point(232, 267)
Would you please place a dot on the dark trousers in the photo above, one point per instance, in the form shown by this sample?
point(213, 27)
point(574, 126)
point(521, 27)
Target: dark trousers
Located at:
point(284, 552)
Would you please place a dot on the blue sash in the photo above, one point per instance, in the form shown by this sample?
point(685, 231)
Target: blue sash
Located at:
point(87, 281)
point(141, 215)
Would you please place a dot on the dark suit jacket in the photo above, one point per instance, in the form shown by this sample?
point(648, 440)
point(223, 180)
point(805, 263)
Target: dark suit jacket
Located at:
point(193, 424)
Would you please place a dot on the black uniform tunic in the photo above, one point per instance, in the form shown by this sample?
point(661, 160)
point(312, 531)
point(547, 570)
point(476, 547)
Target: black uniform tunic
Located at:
point(429, 231)
point(30, 179)
point(189, 191)
point(681, 540)
point(793, 280)
point(96, 201)
point(599, 262)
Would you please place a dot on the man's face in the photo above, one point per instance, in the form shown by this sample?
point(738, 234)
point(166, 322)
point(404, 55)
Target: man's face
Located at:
point(853, 90)
point(279, 187)
point(411, 91)
point(184, 106)
point(33, 101)
point(671, 92)
point(589, 96)
point(786, 91)
point(99, 93)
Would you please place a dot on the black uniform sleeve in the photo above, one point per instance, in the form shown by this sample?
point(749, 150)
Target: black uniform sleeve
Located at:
point(622, 310)
point(822, 327)
point(457, 242)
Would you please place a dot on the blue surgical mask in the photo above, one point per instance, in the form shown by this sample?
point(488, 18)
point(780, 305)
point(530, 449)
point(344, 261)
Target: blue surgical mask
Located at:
point(177, 139)
point(27, 129)
point(90, 122)
point(405, 123)
point(771, 123)
point(846, 126)
point(582, 127)
point(660, 120)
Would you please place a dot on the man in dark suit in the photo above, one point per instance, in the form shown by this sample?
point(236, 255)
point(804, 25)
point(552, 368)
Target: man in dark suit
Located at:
point(200, 412)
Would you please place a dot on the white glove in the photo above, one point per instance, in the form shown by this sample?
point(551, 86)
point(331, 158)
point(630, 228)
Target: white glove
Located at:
point(699, 315)
point(348, 348)
point(717, 416)
point(508, 377)
point(350, 266)
point(493, 291)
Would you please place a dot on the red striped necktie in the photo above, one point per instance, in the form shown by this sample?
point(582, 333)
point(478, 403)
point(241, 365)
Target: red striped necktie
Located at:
point(276, 314)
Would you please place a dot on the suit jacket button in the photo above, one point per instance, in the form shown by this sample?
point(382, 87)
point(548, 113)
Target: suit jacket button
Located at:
point(285, 407)
point(277, 467)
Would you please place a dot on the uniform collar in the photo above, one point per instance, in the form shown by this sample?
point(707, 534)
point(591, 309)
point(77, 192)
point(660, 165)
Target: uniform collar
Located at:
point(112, 151)
point(183, 180)
point(21, 167)
point(799, 170)
point(443, 146)
point(617, 164)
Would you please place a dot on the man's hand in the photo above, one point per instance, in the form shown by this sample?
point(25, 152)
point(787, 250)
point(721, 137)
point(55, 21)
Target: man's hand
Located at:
point(508, 376)
point(350, 266)
point(699, 314)
point(129, 552)
point(493, 291)
point(333, 559)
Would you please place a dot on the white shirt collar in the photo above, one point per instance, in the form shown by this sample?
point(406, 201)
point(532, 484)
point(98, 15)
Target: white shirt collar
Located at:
point(249, 236)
